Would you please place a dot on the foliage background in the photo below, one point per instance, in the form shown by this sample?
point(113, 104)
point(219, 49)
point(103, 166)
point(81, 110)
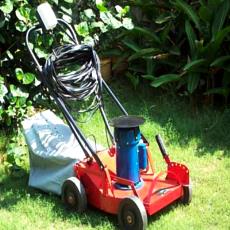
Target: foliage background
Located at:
point(184, 43)
point(179, 46)
point(93, 21)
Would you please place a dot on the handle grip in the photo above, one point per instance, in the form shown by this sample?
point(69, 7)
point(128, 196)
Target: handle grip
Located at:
point(161, 145)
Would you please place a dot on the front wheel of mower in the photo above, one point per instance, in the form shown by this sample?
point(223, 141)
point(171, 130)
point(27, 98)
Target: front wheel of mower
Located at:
point(73, 194)
point(132, 214)
point(187, 194)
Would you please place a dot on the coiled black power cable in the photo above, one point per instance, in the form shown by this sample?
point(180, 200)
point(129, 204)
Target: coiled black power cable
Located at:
point(73, 72)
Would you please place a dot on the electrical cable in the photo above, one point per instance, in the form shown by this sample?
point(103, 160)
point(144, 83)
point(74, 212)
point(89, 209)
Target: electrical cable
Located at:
point(72, 72)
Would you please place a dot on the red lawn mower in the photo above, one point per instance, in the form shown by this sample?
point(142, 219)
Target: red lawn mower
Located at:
point(120, 180)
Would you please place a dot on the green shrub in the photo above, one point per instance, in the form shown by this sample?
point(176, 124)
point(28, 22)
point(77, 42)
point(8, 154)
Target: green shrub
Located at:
point(180, 42)
point(94, 22)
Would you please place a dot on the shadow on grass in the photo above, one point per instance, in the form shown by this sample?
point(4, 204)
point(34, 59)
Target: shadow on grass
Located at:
point(178, 122)
point(14, 190)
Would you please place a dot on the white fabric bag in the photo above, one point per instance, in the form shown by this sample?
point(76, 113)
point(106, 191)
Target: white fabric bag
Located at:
point(53, 151)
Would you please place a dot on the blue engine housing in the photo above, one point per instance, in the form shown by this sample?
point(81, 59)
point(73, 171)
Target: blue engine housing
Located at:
point(127, 140)
point(131, 153)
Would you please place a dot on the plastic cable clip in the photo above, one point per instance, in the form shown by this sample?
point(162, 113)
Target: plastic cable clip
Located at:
point(47, 16)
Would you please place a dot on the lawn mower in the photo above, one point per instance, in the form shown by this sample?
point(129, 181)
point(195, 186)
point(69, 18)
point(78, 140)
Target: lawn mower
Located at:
point(118, 180)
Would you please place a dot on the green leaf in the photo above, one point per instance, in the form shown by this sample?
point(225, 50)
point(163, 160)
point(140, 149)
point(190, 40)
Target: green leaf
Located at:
point(41, 53)
point(189, 11)
point(163, 79)
point(212, 47)
point(119, 10)
point(17, 92)
point(54, 1)
point(163, 18)
point(89, 13)
point(100, 25)
point(101, 6)
point(69, 1)
point(133, 78)
point(191, 66)
point(222, 91)
point(25, 78)
point(3, 92)
point(221, 34)
point(7, 6)
point(2, 39)
point(1, 79)
point(127, 23)
point(174, 50)
point(20, 26)
point(2, 20)
point(23, 14)
point(164, 34)
point(213, 4)
point(205, 13)
point(28, 78)
point(144, 53)
point(82, 29)
point(149, 77)
point(131, 44)
point(220, 61)
point(150, 65)
point(142, 31)
point(66, 10)
point(89, 41)
point(47, 40)
point(10, 55)
point(220, 17)
point(193, 82)
point(19, 73)
point(191, 38)
point(122, 11)
point(110, 20)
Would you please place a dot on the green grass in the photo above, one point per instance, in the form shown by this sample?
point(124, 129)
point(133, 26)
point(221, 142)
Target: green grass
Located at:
point(200, 139)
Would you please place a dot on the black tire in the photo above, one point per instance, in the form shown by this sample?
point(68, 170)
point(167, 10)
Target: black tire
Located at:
point(73, 195)
point(132, 214)
point(187, 194)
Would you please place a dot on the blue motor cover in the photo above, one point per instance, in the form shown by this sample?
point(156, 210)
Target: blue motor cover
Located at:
point(143, 158)
point(127, 140)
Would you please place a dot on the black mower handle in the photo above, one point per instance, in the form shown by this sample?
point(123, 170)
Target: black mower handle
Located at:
point(161, 145)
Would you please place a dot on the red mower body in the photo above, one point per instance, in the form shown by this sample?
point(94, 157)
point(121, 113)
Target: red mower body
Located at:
point(157, 191)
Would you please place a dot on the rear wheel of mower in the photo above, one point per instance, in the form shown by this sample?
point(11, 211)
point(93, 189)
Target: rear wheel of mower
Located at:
point(73, 194)
point(132, 214)
point(187, 196)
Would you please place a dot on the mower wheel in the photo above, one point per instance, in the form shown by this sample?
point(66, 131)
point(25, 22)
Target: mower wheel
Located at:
point(187, 194)
point(73, 194)
point(132, 214)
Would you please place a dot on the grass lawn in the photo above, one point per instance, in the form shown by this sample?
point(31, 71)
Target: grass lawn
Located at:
point(200, 139)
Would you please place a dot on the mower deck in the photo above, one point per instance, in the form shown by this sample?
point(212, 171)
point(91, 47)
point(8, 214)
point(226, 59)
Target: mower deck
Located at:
point(156, 192)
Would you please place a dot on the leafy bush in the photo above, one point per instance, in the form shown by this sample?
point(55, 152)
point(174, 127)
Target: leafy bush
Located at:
point(92, 20)
point(176, 41)
point(14, 82)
